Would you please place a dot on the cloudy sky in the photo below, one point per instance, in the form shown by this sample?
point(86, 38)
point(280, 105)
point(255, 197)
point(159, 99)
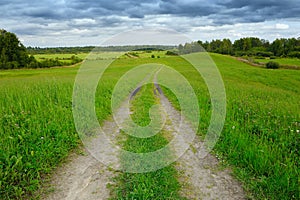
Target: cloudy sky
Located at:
point(91, 22)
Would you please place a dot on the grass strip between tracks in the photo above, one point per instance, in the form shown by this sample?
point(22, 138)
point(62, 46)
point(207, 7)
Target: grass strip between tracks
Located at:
point(160, 184)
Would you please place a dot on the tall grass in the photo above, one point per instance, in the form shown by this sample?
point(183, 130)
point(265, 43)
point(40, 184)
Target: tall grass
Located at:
point(36, 132)
point(36, 124)
point(261, 135)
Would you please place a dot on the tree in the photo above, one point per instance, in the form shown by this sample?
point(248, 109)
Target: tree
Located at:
point(215, 46)
point(226, 47)
point(277, 47)
point(13, 53)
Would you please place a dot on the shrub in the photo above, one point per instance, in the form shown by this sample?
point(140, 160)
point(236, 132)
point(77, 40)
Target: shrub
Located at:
point(259, 57)
point(152, 56)
point(294, 54)
point(171, 53)
point(272, 65)
point(263, 53)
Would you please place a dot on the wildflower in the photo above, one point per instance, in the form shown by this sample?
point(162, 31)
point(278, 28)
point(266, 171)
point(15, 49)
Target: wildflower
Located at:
point(298, 131)
point(233, 127)
point(42, 138)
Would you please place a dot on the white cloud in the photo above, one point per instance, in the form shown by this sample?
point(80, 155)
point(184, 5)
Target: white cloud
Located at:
point(84, 22)
point(282, 26)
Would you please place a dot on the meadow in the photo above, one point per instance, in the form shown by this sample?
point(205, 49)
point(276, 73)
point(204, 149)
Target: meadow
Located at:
point(260, 139)
point(261, 133)
point(61, 57)
point(282, 61)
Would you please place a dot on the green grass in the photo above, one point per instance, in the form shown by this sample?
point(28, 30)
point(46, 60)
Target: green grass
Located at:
point(160, 184)
point(107, 55)
point(261, 134)
point(61, 57)
point(260, 139)
point(36, 124)
point(146, 54)
point(282, 61)
point(36, 130)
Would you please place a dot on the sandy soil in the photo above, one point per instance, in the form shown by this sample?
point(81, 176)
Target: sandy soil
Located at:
point(83, 177)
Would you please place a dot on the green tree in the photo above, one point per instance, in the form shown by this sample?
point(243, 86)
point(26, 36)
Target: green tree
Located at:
point(226, 47)
point(277, 47)
point(13, 53)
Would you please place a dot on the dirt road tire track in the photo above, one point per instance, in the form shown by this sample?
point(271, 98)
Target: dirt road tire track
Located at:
point(85, 178)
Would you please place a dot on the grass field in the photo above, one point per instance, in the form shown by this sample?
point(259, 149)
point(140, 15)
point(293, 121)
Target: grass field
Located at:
point(282, 61)
point(61, 57)
point(102, 55)
point(261, 134)
point(260, 139)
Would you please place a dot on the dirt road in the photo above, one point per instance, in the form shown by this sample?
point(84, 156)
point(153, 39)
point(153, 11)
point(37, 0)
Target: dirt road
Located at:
point(83, 177)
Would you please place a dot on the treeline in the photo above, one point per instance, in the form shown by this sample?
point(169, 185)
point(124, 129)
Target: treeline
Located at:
point(59, 50)
point(88, 49)
point(55, 62)
point(14, 55)
point(250, 46)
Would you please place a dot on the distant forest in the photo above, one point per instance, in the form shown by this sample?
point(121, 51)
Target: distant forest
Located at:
point(88, 49)
point(14, 55)
point(250, 46)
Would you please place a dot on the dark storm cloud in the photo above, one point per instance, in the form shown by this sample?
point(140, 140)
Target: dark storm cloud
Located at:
point(33, 17)
point(258, 10)
point(186, 8)
point(221, 12)
point(242, 10)
point(34, 9)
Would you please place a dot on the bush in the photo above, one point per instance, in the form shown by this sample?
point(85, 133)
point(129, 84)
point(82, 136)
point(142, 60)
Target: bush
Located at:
point(272, 65)
point(259, 57)
point(171, 53)
point(294, 54)
point(263, 53)
point(152, 56)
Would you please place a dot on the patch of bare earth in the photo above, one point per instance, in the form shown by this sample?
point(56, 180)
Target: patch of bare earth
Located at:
point(201, 178)
point(83, 177)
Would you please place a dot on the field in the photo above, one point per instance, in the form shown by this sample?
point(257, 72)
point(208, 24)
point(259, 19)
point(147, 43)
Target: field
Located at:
point(282, 61)
point(260, 139)
point(67, 57)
